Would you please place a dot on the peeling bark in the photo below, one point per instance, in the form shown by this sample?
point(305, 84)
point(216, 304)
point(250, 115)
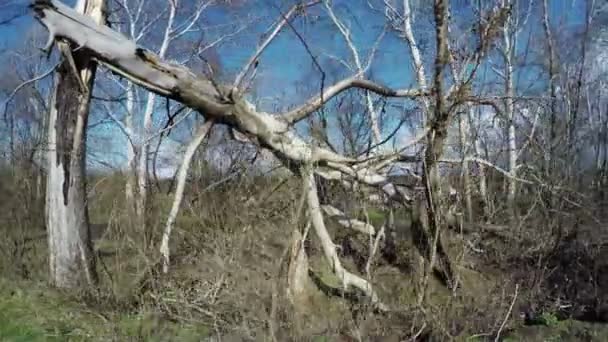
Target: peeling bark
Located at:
point(71, 257)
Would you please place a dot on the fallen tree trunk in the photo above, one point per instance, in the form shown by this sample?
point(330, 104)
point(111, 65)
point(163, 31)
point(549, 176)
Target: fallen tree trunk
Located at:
point(223, 105)
point(212, 100)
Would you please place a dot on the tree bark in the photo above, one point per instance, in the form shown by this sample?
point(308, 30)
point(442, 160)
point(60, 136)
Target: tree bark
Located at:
point(71, 257)
point(298, 282)
point(439, 122)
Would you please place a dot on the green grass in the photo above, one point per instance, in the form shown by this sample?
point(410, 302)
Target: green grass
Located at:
point(31, 312)
point(567, 330)
point(32, 316)
point(376, 216)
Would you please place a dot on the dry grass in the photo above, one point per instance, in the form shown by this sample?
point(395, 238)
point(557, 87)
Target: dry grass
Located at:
point(226, 280)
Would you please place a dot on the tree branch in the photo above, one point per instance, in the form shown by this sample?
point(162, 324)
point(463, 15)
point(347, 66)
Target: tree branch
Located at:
point(254, 58)
point(346, 222)
point(318, 101)
point(348, 279)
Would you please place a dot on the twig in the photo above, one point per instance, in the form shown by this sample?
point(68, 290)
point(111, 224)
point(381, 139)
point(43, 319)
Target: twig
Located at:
point(419, 332)
point(32, 80)
point(254, 58)
point(504, 322)
point(372, 253)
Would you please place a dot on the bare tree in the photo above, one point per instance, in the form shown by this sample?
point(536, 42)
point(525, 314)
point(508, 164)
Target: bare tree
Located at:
point(509, 48)
point(552, 80)
point(139, 26)
point(360, 69)
point(25, 107)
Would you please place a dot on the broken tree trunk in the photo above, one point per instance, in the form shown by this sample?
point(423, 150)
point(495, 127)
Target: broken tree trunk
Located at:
point(71, 257)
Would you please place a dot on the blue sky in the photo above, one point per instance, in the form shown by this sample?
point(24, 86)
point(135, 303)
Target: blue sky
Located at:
point(286, 72)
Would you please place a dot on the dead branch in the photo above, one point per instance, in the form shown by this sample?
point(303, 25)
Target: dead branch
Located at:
point(318, 101)
point(346, 222)
point(329, 248)
point(254, 58)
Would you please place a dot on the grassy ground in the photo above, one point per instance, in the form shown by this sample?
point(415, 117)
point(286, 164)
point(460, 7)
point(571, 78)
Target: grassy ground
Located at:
point(568, 330)
point(31, 311)
point(226, 280)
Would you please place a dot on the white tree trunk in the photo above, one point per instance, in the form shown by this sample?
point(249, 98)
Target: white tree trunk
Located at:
point(483, 185)
point(298, 282)
point(375, 123)
point(329, 249)
point(463, 130)
point(71, 258)
point(509, 49)
point(511, 141)
point(144, 148)
point(142, 165)
point(200, 136)
point(130, 185)
point(347, 222)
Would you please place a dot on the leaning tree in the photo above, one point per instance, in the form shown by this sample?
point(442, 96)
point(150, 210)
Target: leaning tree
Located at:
point(440, 94)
